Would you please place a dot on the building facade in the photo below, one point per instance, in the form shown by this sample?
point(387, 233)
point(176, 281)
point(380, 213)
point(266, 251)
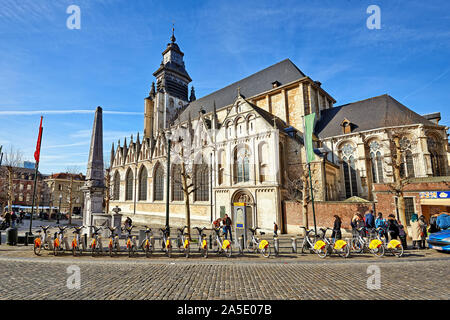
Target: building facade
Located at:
point(242, 147)
point(22, 189)
point(67, 187)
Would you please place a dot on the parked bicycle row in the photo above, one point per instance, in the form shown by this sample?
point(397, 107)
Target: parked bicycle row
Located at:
point(363, 241)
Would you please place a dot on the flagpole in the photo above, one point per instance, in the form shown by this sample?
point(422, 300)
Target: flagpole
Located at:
point(38, 149)
point(34, 195)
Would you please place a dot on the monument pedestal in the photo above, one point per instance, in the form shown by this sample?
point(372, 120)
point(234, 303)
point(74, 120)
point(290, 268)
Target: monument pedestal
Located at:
point(102, 220)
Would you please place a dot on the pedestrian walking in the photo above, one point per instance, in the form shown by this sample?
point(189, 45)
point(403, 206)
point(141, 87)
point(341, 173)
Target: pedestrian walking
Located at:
point(13, 219)
point(416, 231)
point(380, 222)
point(275, 229)
point(8, 219)
point(360, 224)
point(369, 220)
point(392, 227)
point(337, 234)
point(227, 226)
point(402, 235)
point(423, 231)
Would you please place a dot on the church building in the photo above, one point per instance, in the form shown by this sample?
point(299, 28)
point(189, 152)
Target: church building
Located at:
point(242, 150)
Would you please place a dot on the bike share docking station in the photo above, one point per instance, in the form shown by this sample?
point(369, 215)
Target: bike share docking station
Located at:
point(240, 225)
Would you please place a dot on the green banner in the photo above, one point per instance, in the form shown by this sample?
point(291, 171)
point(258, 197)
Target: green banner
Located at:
point(307, 136)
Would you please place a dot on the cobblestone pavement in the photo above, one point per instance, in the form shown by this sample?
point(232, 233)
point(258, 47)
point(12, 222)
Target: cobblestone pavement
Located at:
point(304, 277)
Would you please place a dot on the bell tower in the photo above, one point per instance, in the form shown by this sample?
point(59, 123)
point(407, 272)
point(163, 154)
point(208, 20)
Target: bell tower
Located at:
point(172, 82)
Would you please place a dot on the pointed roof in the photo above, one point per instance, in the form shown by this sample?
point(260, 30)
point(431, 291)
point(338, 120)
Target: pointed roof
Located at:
point(377, 112)
point(284, 72)
point(95, 162)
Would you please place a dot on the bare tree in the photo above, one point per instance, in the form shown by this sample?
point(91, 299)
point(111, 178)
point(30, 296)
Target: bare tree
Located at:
point(184, 159)
point(298, 190)
point(11, 160)
point(400, 180)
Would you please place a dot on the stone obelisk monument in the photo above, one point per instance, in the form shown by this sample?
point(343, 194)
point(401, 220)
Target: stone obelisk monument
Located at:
point(94, 187)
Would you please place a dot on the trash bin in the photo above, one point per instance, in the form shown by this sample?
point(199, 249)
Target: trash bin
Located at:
point(11, 236)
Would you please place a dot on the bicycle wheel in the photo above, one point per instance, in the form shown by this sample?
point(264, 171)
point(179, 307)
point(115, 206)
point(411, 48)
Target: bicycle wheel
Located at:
point(37, 250)
point(250, 247)
point(266, 252)
point(378, 252)
point(344, 252)
point(228, 252)
point(357, 246)
point(322, 252)
point(398, 251)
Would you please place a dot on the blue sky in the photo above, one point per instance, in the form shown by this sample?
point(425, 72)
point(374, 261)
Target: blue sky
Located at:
point(45, 67)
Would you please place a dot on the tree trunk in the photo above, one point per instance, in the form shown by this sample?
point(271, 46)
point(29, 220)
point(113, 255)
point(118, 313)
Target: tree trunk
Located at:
point(186, 199)
point(398, 182)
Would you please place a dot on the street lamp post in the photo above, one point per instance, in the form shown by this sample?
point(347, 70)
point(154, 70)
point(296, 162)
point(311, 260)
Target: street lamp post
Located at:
point(168, 136)
point(59, 209)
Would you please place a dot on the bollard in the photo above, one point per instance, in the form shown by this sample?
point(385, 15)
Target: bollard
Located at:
point(294, 245)
point(276, 245)
point(0, 237)
point(210, 242)
point(241, 245)
point(26, 238)
point(85, 240)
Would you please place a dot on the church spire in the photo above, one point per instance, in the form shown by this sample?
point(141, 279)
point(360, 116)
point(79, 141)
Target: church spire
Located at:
point(192, 97)
point(172, 38)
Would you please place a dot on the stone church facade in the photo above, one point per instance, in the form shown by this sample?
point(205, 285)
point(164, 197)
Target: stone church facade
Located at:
point(243, 146)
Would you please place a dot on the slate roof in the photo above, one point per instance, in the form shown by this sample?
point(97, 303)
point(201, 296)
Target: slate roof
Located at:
point(284, 72)
point(372, 113)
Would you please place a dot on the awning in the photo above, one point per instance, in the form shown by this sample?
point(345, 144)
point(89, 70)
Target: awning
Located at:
point(435, 202)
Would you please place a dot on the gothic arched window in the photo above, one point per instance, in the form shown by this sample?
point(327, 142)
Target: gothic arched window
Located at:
point(221, 167)
point(129, 185)
point(158, 184)
point(407, 165)
point(201, 182)
point(116, 186)
point(263, 162)
point(435, 157)
point(143, 184)
point(376, 162)
point(349, 168)
point(177, 188)
point(242, 165)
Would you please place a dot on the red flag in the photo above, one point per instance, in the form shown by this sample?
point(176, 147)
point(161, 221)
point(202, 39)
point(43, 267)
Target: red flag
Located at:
point(37, 153)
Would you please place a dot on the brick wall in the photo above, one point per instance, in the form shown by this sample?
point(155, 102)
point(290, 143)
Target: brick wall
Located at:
point(325, 210)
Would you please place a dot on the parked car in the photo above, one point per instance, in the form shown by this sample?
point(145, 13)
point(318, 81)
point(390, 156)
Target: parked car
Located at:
point(440, 240)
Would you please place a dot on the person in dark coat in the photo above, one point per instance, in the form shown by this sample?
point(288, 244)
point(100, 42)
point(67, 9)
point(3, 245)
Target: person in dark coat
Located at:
point(369, 219)
point(433, 224)
point(337, 234)
point(227, 226)
point(8, 218)
point(392, 227)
